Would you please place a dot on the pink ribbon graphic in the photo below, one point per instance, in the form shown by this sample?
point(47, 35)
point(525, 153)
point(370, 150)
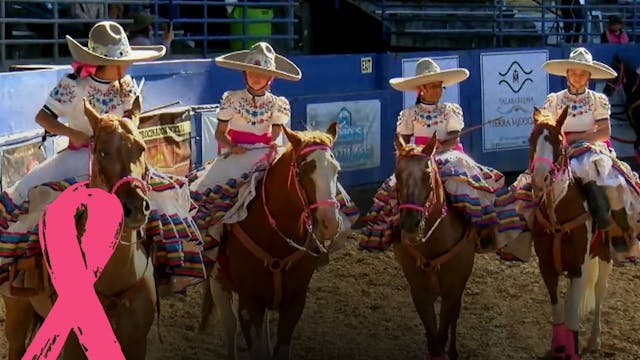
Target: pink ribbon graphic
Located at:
point(74, 269)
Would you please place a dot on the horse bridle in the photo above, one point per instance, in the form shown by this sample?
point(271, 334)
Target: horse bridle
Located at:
point(558, 168)
point(431, 201)
point(306, 219)
point(136, 180)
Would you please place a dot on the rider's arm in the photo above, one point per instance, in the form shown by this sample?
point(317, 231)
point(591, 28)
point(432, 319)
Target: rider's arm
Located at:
point(221, 134)
point(404, 125)
point(276, 130)
point(454, 124)
point(51, 124)
point(600, 132)
point(453, 137)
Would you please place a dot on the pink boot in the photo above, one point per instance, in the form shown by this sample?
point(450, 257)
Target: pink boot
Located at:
point(572, 344)
point(559, 342)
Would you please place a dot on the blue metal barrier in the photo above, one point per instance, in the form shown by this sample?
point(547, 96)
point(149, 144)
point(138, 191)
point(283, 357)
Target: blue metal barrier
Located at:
point(326, 80)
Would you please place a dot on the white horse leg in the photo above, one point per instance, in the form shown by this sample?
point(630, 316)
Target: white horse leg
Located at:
point(601, 292)
point(267, 333)
point(223, 301)
point(572, 310)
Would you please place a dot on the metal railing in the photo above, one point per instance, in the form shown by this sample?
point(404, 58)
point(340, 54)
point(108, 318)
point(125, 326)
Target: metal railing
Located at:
point(32, 31)
point(543, 19)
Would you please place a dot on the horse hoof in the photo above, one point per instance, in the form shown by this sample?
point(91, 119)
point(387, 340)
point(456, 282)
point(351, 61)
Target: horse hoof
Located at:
point(593, 346)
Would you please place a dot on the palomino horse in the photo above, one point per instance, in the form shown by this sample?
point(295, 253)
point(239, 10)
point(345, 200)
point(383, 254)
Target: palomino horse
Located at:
point(562, 230)
point(434, 247)
point(271, 255)
point(126, 286)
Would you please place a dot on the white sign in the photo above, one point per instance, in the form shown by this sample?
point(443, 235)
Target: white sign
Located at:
point(358, 143)
point(512, 84)
point(450, 94)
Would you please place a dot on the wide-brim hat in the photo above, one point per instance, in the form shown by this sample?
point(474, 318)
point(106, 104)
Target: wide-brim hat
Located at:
point(261, 58)
point(108, 45)
point(427, 71)
point(580, 58)
point(140, 21)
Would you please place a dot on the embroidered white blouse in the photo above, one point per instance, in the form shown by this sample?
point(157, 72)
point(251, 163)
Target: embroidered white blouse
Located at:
point(247, 113)
point(65, 100)
point(584, 109)
point(422, 120)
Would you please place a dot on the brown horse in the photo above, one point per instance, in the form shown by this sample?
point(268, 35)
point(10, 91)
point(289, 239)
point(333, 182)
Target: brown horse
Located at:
point(434, 247)
point(272, 254)
point(562, 231)
point(126, 286)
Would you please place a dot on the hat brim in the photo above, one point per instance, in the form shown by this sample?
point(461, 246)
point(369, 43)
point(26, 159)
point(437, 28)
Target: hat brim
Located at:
point(448, 77)
point(138, 53)
point(598, 70)
point(285, 69)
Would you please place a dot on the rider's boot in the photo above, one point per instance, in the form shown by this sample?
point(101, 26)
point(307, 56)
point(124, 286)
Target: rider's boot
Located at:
point(621, 243)
point(598, 205)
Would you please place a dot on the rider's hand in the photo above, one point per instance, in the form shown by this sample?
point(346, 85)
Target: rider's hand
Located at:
point(236, 149)
point(79, 138)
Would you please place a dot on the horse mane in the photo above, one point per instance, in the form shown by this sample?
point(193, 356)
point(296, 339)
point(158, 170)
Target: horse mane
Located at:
point(408, 149)
point(312, 137)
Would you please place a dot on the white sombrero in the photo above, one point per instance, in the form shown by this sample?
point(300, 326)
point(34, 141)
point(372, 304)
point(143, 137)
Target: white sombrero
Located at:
point(261, 59)
point(427, 71)
point(109, 45)
point(580, 58)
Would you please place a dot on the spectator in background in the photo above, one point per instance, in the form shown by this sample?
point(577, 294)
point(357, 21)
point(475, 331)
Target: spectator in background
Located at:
point(141, 29)
point(573, 15)
point(89, 12)
point(614, 34)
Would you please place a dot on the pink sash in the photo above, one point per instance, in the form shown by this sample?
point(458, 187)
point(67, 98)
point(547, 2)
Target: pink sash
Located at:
point(248, 138)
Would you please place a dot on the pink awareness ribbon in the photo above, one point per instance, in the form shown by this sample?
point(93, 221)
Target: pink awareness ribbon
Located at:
point(74, 269)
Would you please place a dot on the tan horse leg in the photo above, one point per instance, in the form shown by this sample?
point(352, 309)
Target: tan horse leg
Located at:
point(604, 269)
point(449, 314)
point(223, 301)
point(19, 317)
point(551, 279)
point(289, 316)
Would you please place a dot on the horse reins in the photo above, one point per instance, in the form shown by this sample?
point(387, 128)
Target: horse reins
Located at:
point(432, 200)
point(559, 168)
point(305, 219)
point(276, 265)
point(432, 266)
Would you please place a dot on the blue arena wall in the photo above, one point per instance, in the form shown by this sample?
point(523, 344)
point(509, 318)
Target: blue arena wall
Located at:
point(326, 79)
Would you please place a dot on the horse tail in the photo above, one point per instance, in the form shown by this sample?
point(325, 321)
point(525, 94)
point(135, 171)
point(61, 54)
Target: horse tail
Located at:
point(588, 299)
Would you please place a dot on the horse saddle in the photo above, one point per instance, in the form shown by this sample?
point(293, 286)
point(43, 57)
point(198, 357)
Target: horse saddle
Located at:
point(28, 277)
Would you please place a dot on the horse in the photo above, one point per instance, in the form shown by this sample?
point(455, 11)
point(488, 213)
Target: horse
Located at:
point(562, 231)
point(126, 286)
point(434, 246)
point(629, 81)
point(269, 257)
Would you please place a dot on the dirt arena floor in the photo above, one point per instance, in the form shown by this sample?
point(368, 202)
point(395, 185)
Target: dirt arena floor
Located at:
point(359, 307)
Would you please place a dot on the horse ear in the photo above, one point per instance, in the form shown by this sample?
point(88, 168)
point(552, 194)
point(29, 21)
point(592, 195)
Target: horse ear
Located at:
point(332, 130)
point(91, 114)
point(136, 109)
point(561, 119)
point(293, 138)
point(430, 148)
point(399, 143)
point(536, 115)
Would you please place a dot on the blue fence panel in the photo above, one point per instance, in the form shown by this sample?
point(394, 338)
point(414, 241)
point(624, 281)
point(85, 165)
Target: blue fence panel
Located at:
point(326, 79)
